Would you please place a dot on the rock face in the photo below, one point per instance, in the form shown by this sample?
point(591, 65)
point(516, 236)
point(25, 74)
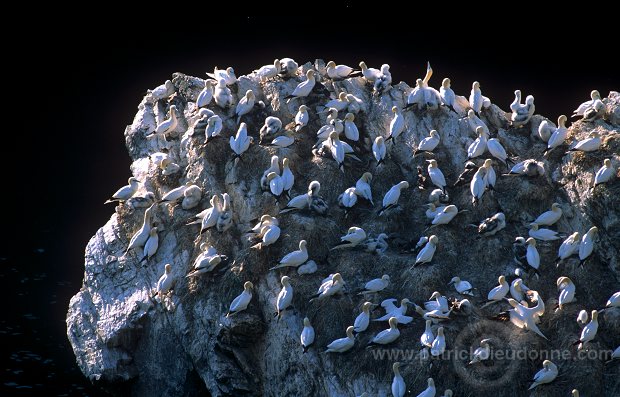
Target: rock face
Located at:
point(130, 342)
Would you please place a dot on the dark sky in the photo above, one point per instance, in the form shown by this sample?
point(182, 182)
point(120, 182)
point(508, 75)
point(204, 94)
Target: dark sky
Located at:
point(74, 131)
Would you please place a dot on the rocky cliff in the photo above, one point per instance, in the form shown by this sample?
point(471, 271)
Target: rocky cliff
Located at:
point(131, 342)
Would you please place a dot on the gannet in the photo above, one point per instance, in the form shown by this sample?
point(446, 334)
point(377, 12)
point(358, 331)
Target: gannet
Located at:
point(285, 297)
point(547, 374)
point(170, 124)
point(377, 245)
point(558, 136)
point(392, 310)
point(276, 184)
point(614, 300)
point(492, 225)
point(590, 144)
point(150, 247)
point(479, 146)
point(448, 97)
point(462, 286)
point(595, 111)
point(288, 67)
point(126, 192)
point(482, 353)
point(295, 258)
point(398, 383)
point(163, 91)
point(497, 150)
point(524, 113)
point(437, 301)
point(165, 282)
point(206, 95)
point(274, 166)
point(376, 285)
point(343, 344)
point(587, 244)
point(241, 141)
point(355, 104)
point(429, 143)
point(477, 185)
point(437, 196)
point(191, 197)
point(370, 74)
point(242, 301)
point(517, 101)
point(208, 218)
point(222, 95)
point(363, 319)
point(354, 236)
point(542, 234)
point(427, 338)
point(594, 95)
point(548, 218)
point(529, 167)
point(568, 247)
point(206, 261)
point(331, 285)
point(301, 118)
point(350, 129)
point(434, 315)
point(390, 200)
point(270, 233)
point(532, 256)
point(339, 103)
point(474, 122)
point(468, 172)
point(285, 140)
point(426, 254)
point(384, 81)
point(309, 267)
point(245, 105)
point(436, 175)
point(304, 200)
point(337, 149)
point(439, 344)
point(545, 129)
point(267, 72)
point(433, 211)
point(142, 202)
point(605, 173)
point(140, 237)
point(379, 150)
point(224, 220)
point(476, 100)
point(416, 96)
point(307, 335)
point(517, 289)
point(338, 71)
point(527, 317)
point(445, 216)
point(582, 318)
point(213, 128)
point(388, 335)
point(362, 187)
point(272, 126)
point(347, 199)
point(430, 390)
point(175, 194)
point(168, 167)
point(397, 125)
point(304, 88)
point(287, 175)
point(567, 291)
point(498, 293)
point(228, 75)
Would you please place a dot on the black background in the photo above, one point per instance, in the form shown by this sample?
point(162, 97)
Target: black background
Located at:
point(74, 100)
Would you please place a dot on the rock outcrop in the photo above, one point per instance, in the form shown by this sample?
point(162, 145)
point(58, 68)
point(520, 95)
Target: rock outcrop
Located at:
point(129, 341)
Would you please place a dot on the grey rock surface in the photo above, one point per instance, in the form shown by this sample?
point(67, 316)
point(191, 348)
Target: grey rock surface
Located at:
point(130, 342)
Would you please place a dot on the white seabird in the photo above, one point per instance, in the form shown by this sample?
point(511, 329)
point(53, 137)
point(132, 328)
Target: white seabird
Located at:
point(547, 374)
point(462, 286)
point(362, 187)
point(170, 124)
point(582, 318)
point(605, 173)
point(175, 194)
point(295, 258)
point(439, 344)
point(498, 293)
point(214, 127)
point(517, 289)
point(168, 167)
point(370, 74)
point(206, 261)
point(523, 113)
point(363, 319)
point(343, 344)
point(446, 215)
point(307, 335)
point(337, 149)
point(479, 146)
point(191, 197)
point(492, 225)
point(587, 244)
point(354, 236)
point(517, 101)
point(568, 247)
point(426, 254)
point(228, 75)
point(222, 95)
point(476, 100)
point(449, 98)
point(126, 192)
point(379, 150)
point(206, 95)
point(542, 234)
point(165, 282)
point(242, 301)
point(429, 143)
point(477, 186)
point(285, 297)
point(482, 353)
point(427, 338)
point(384, 81)
point(391, 310)
point(377, 245)
point(430, 390)
point(474, 122)
point(142, 235)
point(245, 105)
point(288, 178)
point(532, 256)
point(558, 136)
point(590, 144)
point(304, 88)
point(595, 111)
point(433, 211)
point(338, 104)
point(338, 71)
point(567, 291)
point(397, 125)
point(304, 200)
point(208, 218)
point(151, 245)
point(288, 67)
point(276, 184)
point(581, 109)
point(274, 166)
point(270, 233)
point(163, 91)
point(614, 300)
point(301, 118)
point(267, 72)
point(376, 285)
point(241, 141)
point(436, 175)
point(348, 198)
point(497, 150)
point(399, 388)
point(350, 129)
point(437, 301)
point(331, 285)
point(390, 199)
point(550, 217)
point(272, 126)
point(388, 335)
